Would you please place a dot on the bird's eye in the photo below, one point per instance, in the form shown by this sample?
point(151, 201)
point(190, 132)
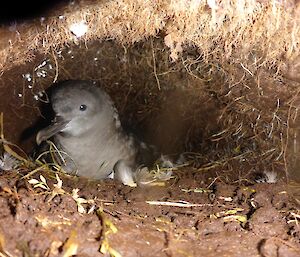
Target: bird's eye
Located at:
point(82, 107)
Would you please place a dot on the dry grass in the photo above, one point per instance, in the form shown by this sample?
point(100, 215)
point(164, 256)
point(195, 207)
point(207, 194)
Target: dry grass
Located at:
point(251, 34)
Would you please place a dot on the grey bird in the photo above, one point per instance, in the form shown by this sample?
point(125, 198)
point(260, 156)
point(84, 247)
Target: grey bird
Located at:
point(88, 134)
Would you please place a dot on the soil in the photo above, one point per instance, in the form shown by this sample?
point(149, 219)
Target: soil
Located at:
point(205, 216)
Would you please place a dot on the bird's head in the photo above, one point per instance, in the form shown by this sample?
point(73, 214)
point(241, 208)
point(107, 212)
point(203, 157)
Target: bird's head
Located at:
point(79, 107)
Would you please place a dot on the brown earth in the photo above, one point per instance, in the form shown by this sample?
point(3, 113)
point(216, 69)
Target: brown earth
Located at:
point(223, 219)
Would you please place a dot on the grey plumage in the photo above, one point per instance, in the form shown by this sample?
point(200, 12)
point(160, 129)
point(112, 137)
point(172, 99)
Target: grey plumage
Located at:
point(87, 131)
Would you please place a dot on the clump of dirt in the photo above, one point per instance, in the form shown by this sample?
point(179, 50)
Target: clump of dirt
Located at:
point(199, 215)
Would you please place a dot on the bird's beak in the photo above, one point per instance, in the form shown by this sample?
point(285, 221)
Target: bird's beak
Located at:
point(57, 125)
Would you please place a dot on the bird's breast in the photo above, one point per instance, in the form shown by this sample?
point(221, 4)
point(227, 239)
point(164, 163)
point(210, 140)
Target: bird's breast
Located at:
point(96, 154)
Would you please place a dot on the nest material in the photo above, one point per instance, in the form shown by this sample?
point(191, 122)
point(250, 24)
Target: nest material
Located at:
point(215, 78)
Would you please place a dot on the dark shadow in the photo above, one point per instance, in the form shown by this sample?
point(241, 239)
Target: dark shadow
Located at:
point(260, 246)
point(18, 11)
point(47, 115)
